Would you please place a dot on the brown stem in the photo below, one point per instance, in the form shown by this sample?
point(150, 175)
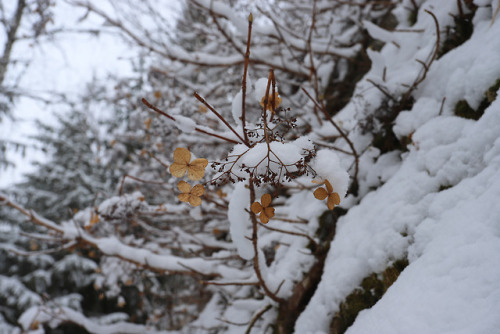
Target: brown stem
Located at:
point(342, 133)
point(136, 179)
point(212, 109)
point(244, 81)
point(161, 112)
point(426, 66)
point(229, 283)
point(30, 214)
point(291, 233)
point(256, 317)
point(256, 266)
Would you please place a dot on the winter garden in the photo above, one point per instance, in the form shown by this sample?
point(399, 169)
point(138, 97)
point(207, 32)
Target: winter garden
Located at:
point(318, 166)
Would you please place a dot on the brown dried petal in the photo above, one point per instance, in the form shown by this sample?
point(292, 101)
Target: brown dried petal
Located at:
point(329, 187)
point(320, 193)
point(336, 198)
point(330, 203)
point(197, 190)
point(184, 197)
point(256, 207)
point(277, 101)
point(177, 169)
point(269, 212)
point(194, 200)
point(263, 218)
point(196, 172)
point(182, 155)
point(266, 200)
point(184, 187)
point(199, 162)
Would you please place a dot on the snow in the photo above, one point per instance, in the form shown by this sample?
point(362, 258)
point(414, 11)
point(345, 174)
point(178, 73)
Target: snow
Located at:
point(185, 124)
point(260, 89)
point(239, 219)
point(438, 208)
point(451, 285)
point(327, 166)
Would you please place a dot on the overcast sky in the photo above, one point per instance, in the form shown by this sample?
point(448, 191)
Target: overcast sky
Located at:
point(63, 65)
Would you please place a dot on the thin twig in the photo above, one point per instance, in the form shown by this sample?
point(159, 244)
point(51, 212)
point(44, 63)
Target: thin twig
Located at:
point(341, 132)
point(290, 232)
point(219, 116)
point(256, 266)
point(256, 317)
point(244, 80)
point(381, 89)
point(442, 106)
point(197, 129)
point(228, 283)
point(138, 180)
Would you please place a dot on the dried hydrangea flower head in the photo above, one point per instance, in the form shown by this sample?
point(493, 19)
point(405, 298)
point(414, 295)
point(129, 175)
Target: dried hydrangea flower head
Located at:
point(266, 211)
point(182, 163)
point(333, 197)
point(191, 195)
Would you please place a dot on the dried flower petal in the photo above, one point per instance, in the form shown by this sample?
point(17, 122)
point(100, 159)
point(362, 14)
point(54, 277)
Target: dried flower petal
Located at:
point(197, 190)
point(182, 155)
point(336, 198)
point(191, 195)
point(266, 212)
point(194, 200)
point(277, 101)
point(184, 187)
point(182, 163)
point(263, 218)
point(329, 187)
point(266, 200)
point(183, 197)
point(178, 170)
point(256, 207)
point(196, 169)
point(333, 197)
point(320, 193)
point(269, 212)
